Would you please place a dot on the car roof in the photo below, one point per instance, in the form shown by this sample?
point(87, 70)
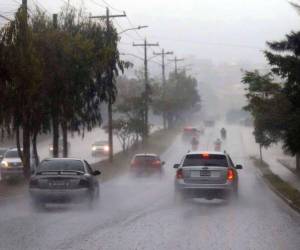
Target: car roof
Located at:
point(206, 152)
point(146, 154)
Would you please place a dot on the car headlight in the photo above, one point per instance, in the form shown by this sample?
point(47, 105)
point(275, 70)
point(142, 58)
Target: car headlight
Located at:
point(4, 164)
point(106, 148)
point(94, 148)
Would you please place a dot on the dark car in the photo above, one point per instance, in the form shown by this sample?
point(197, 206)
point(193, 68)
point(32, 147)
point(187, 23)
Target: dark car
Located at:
point(58, 180)
point(206, 174)
point(146, 164)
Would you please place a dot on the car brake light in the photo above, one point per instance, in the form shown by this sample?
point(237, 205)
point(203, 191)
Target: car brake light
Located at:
point(179, 174)
point(205, 155)
point(156, 163)
point(230, 175)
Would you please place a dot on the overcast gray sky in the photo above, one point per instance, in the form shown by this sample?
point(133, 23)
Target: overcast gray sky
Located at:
point(227, 30)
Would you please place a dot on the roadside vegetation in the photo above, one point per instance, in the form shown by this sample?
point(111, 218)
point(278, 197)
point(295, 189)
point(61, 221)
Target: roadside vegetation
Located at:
point(54, 80)
point(282, 188)
point(274, 97)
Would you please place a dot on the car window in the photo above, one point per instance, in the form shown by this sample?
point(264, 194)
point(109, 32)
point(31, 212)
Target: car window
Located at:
point(12, 154)
point(210, 160)
point(61, 165)
point(146, 158)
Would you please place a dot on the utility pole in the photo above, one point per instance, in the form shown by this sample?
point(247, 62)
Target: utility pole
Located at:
point(54, 20)
point(176, 60)
point(110, 77)
point(163, 54)
point(147, 87)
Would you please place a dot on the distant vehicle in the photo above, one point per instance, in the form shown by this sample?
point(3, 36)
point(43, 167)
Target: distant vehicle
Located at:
point(58, 180)
point(2, 152)
point(209, 123)
point(190, 132)
point(146, 164)
point(60, 146)
point(206, 175)
point(11, 164)
point(218, 144)
point(100, 148)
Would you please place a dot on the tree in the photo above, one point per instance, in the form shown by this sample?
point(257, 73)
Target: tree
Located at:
point(181, 97)
point(22, 83)
point(285, 62)
point(268, 106)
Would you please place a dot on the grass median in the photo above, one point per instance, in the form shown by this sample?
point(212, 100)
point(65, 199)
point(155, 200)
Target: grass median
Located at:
point(157, 143)
point(281, 187)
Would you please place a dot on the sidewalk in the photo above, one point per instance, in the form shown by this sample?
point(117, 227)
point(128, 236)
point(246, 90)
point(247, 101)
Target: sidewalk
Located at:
point(274, 156)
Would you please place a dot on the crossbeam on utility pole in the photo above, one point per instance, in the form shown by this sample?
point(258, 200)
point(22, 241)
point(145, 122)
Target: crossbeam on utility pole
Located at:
point(110, 76)
point(147, 87)
point(176, 60)
point(163, 54)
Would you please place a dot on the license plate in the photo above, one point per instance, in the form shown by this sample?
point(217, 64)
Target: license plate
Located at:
point(57, 184)
point(204, 173)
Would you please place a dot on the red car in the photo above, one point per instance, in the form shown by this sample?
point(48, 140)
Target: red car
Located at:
point(146, 164)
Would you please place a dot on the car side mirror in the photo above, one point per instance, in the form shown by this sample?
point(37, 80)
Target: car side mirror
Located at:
point(238, 166)
point(176, 165)
point(96, 172)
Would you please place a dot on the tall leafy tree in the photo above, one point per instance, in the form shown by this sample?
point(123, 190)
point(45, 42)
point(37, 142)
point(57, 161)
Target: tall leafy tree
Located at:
point(285, 62)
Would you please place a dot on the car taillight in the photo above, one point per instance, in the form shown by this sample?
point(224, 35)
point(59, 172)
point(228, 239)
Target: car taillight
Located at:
point(133, 163)
point(156, 163)
point(84, 183)
point(230, 175)
point(33, 183)
point(179, 174)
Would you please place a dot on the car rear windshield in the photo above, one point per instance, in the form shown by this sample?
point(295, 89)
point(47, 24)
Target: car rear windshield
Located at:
point(205, 160)
point(61, 165)
point(12, 154)
point(146, 158)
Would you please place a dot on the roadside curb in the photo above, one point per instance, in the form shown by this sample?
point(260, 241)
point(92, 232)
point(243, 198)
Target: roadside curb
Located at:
point(278, 193)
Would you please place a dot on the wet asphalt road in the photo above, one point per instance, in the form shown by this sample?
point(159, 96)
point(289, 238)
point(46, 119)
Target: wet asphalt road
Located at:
point(142, 214)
